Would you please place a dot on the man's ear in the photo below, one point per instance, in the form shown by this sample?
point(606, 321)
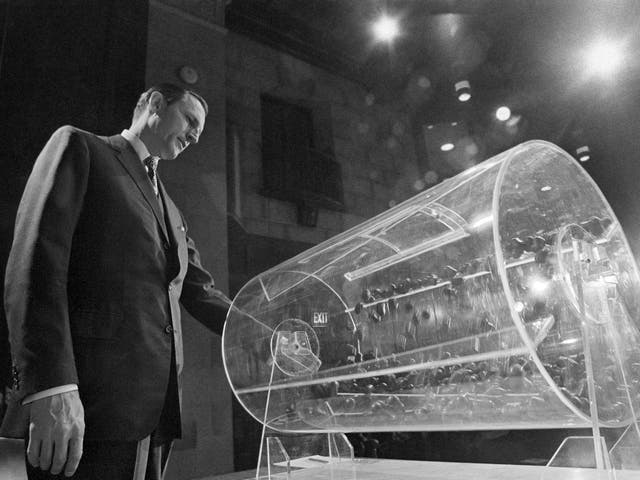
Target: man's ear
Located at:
point(156, 102)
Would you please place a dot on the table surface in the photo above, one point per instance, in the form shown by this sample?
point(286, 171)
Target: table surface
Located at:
point(379, 469)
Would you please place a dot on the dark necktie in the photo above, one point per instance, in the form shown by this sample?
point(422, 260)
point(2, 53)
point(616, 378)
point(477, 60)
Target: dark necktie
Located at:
point(152, 165)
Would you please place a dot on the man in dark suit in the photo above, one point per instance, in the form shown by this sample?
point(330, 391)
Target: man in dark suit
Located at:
point(100, 260)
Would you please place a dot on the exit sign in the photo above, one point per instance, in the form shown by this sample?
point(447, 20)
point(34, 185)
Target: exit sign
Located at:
point(320, 319)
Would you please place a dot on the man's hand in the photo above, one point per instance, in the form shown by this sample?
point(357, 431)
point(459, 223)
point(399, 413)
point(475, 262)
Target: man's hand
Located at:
point(56, 431)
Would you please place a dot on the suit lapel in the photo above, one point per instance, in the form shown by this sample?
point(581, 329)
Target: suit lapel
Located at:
point(177, 238)
point(174, 220)
point(134, 167)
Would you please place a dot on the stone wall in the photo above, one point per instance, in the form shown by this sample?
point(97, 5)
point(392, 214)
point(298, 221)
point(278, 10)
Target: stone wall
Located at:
point(371, 141)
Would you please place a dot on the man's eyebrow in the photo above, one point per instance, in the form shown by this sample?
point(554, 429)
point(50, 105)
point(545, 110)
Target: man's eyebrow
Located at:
point(193, 121)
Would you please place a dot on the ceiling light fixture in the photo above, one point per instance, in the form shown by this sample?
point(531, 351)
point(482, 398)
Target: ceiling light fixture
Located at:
point(386, 28)
point(503, 113)
point(446, 147)
point(463, 90)
point(583, 153)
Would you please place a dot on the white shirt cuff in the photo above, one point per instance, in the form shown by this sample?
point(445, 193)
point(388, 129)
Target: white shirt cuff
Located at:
point(49, 392)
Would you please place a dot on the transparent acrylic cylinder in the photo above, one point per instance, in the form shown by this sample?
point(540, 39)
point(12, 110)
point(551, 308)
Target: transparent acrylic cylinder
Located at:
point(503, 298)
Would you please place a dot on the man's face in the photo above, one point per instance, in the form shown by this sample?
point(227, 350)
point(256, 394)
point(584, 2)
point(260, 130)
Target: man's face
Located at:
point(176, 126)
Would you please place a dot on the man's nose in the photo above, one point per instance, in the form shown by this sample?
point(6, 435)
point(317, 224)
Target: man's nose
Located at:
point(192, 137)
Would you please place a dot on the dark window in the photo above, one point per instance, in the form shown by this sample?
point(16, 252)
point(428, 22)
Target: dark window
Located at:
point(294, 167)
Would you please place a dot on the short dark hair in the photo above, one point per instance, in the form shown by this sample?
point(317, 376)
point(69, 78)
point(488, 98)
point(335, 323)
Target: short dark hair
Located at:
point(171, 93)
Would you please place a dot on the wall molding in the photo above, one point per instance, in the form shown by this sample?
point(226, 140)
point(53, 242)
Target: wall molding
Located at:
point(188, 17)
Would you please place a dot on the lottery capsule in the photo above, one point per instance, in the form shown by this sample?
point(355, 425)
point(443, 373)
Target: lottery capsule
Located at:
point(537, 243)
point(430, 280)
point(358, 335)
point(358, 308)
point(368, 356)
point(550, 238)
point(542, 255)
point(448, 272)
point(516, 370)
point(487, 325)
point(465, 269)
point(349, 403)
point(517, 247)
point(367, 296)
point(392, 303)
point(475, 265)
point(332, 389)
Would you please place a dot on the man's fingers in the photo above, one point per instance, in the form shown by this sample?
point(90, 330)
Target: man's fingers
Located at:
point(56, 432)
point(59, 456)
point(46, 450)
point(33, 449)
point(75, 453)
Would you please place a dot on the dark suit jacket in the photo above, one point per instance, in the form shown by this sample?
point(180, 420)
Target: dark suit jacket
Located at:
point(93, 283)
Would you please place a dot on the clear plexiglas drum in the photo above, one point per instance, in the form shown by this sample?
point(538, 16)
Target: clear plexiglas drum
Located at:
point(505, 297)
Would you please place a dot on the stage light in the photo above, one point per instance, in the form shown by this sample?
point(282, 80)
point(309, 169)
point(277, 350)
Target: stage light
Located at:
point(463, 90)
point(446, 147)
point(604, 58)
point(583, 153)
point(503, 113)
point(386, 28)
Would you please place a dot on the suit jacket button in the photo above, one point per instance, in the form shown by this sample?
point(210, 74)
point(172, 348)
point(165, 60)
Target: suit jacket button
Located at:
point(168, 329)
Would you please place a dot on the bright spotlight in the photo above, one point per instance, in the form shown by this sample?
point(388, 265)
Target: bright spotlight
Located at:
point(386, 28)
point(604, 58)
point(445, 147)
point(503, 113)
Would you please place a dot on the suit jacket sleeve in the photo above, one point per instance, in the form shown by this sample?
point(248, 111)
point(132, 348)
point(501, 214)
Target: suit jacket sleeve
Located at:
point(200, 297)
point(36, 276)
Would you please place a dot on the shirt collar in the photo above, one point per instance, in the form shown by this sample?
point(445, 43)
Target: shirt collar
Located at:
point(136, 143)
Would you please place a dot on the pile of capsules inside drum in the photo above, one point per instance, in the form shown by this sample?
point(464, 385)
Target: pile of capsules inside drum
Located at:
point(409, 336)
